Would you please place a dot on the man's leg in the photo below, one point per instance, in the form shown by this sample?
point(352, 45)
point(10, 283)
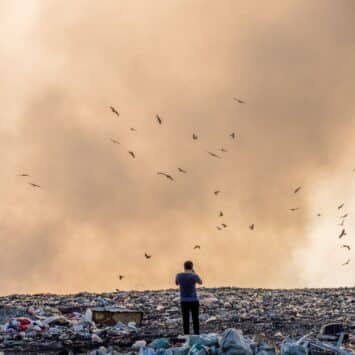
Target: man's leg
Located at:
point(185, 308)
point(195, 306)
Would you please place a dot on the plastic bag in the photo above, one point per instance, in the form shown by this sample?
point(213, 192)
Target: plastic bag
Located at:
point(233, 343)
point(160, 343)
point(177, 351)
point(289, 347)
point(146, 351)
point(204, 339)
point(197, 349)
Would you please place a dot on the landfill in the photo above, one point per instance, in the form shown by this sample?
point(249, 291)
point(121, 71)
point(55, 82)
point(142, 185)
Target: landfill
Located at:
point(233, 321)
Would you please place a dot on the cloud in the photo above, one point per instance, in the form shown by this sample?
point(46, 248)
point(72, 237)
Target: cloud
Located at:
point(99, 210)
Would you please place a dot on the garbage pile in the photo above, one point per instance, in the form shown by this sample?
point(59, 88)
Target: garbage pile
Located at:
point(231, 342)
point(57, 332)
point(82, 322)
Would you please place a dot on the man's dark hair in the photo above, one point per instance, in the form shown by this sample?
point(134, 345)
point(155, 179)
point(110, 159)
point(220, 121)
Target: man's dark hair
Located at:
point(188, 265)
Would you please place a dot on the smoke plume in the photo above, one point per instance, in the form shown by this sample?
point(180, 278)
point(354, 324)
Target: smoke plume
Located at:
point(98, 210)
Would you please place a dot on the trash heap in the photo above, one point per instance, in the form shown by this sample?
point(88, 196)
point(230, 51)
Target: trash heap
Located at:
point(46, 322)
point(231, 342)
point(51, 322)
point(58, 332)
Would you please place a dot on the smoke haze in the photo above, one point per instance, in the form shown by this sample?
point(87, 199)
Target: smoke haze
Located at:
point(98, 210)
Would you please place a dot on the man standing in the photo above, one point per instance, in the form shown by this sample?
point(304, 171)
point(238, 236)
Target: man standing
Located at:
point(187, 281)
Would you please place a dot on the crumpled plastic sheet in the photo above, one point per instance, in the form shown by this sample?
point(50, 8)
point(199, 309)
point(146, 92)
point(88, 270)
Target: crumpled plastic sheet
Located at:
point(307, 345)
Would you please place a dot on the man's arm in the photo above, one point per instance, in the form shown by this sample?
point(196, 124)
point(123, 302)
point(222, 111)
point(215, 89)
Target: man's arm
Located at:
point(198, 280)
point(177, 280)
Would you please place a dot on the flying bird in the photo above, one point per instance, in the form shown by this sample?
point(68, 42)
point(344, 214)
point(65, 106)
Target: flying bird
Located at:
point(342, 233)
point(219, 228)
point(342, 223)
point(294, 209)
point(34, 185)
point(166, 175)
point(24, 175)
point(297, 189)
point(252, 226)
point(182, 170)
point(114, 141)
point(120, 277)
point(346, 262)
point(344, 215)
point(114, 111)
point(133, 129)
point(221, 214)
point(214, 155)
point(131, 154)
point(232, 135)
point(197, 247)
point(224, 225)
point(216, 192)
point(160, 121)
point(194, 136)
point(346, 246)
point(147, 256)
point(340, 206)
point(238, 100)
point(318, 214)
point(223, 150)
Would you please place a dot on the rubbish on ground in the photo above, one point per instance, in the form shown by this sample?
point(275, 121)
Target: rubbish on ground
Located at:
point(50, 323)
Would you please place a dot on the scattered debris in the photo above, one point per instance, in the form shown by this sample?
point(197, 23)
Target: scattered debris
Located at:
point(111, 323)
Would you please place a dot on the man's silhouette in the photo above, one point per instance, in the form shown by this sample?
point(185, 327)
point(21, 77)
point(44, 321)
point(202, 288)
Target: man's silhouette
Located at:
point(187, 281)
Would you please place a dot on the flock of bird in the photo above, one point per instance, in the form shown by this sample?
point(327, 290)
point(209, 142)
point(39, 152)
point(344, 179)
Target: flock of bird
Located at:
point(343, 232)
point(169, 176)
point(217, 192)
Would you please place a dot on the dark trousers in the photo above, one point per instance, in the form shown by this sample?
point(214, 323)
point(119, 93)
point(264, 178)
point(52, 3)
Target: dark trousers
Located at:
point(193, 308)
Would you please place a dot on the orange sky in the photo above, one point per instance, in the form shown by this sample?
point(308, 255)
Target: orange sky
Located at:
point(98, 210)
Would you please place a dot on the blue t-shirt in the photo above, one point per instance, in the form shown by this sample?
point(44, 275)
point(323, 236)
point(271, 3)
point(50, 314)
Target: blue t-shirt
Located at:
point(187, 282)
